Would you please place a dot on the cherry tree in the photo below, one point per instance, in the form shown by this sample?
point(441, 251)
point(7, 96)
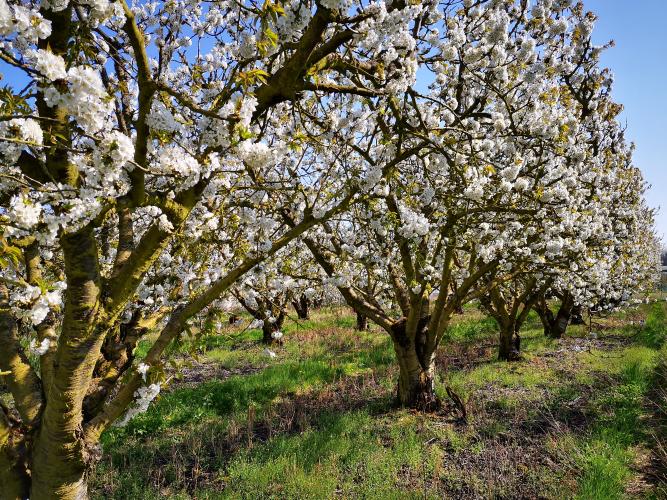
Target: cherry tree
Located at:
point(509, 304)
point(620, 257)
point(307, 288)
point(598, 249)
point(610, 277)
point(141, 128)
point(511, 179)
point(269, 288)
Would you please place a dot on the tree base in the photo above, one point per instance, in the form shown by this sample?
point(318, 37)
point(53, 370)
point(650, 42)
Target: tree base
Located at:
point(419, 395)
point(272, 342)
point(511, 356)
point(510, 346)
point(362, 323)
point(423, 403)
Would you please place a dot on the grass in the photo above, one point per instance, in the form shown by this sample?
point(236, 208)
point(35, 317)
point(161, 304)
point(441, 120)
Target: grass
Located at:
point(318, 421)
point(606, 456)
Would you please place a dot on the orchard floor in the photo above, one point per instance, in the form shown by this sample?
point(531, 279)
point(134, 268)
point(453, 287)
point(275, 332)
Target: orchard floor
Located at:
point(582, 417)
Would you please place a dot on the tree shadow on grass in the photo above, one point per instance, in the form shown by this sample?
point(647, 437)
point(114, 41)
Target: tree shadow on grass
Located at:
point(203, 428)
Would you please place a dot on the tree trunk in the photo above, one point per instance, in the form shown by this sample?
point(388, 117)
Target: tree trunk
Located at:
point(555, 326)
point(560, 324)
point(416, 380)
point(301, 306)
point(13, 486)
point(577, 316)
point(60, 458)
point(416, 361)
point(362, 322)
point(117, 356)
point(51, 486)
point(14, 479)
point(546, 317)
point(510, 342)
point(268, 330)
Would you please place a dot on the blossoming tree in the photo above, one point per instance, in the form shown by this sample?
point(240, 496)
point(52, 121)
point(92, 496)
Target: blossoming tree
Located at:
point(601, 239)
point(610, 276)
point(133, 131)
point(157, 152)
point(267, 290)
point(514, 176)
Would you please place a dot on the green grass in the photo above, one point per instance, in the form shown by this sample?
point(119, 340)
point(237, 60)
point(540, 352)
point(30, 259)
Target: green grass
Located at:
point(318, 420)
point(221, 399)
point(653, 332)
point(469, 331)
point(607, 453)
point(346, 446)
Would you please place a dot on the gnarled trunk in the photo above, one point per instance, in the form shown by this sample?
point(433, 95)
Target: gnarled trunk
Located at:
point(302, 307)
point(63, 470)
point(577, 316)
point(416, 380)
point(60, 458)
point(14, 479)
point(117, 355)
point(555, 326)
point(509, 348)
point(269, 330)
point(362, 322)
point(416, 361)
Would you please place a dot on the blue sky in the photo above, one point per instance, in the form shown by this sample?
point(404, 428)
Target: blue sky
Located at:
point(639, 63)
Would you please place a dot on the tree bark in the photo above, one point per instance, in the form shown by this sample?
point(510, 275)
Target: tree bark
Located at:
point(562, 321)
point(416, 361)
point(416, 380)
point(577, 316)
point(24, 383)
point(302, 306)
point(362, 322)
point(546, 317)
point(268, 329)
point(555, 326)
point(510, 342)
point(60, 456)
point(117, 356)
point(14, 478)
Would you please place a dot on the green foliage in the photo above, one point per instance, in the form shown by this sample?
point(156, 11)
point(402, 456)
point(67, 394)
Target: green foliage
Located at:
point(9, 255)
point(12, 104)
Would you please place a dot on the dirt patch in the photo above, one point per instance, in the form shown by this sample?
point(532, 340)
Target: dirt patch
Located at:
point(199, 372)
point(500, 469)
point(464, 356)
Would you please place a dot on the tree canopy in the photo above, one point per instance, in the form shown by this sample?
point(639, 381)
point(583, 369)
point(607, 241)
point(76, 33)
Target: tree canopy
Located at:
point(165, 156)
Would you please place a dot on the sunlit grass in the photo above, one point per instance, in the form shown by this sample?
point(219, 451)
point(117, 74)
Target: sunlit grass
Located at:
point(318, 420)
